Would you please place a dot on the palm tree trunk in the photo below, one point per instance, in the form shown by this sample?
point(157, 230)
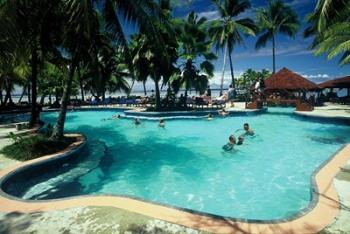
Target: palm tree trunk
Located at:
point(7, 95)
point(144, 87)
point(59, 128)
point(23, 93)
point(42, 99)
point(1, 96)
point(131, 87)
point(223, 71)
point(29, 93)
point(104, 79)
point(158, 107)
point(273, 54)
point(231, 68)
point(80, 83)
point(34, 118)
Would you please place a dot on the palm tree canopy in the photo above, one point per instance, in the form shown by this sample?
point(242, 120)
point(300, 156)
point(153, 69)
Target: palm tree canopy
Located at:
point(329, 25)
point(228, 29)
point(276, 18)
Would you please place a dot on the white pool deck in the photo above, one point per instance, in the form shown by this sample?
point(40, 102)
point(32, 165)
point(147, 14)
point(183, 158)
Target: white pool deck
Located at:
point(329, 110)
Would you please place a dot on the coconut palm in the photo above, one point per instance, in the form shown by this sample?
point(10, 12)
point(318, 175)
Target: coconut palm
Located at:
point(336, 41)
point(154, 60)
point(195, 51)
point(228, 29)
point(31, 25)
point(329, 25)
point(82, 34)
point(276, 18)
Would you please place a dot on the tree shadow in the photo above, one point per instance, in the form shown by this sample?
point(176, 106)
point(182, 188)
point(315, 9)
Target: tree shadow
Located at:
point(16, 222)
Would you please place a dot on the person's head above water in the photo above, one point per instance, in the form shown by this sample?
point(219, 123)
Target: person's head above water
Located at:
point(246, 126)
point(240, 140)
point(161, 120)
point(232, 139)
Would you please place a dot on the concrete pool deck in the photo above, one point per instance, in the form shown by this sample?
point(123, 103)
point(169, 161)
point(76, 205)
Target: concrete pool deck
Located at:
point(314, 220)
point(328, 111)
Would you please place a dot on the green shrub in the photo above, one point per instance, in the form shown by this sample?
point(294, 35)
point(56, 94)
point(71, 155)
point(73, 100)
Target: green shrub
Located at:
point(30, 147)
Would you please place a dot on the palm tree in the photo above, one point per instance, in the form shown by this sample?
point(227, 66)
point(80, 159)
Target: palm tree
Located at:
point(82, 34)
point(226, 31)
point(154, 60)
point(195, 51)
point(276, 18)
point(329, 25)
point(31, 25)
point(335, 41)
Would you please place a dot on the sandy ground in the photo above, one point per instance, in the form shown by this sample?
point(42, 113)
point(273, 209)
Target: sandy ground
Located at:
point(86, 220)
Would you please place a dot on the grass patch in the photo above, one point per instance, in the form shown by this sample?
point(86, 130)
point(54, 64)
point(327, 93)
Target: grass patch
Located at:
point(35, 146)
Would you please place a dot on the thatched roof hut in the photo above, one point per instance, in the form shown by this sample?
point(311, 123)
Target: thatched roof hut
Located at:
point(343, 82)
point(286, 80)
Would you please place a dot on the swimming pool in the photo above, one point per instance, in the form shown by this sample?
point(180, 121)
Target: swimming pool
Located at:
point(183, 164)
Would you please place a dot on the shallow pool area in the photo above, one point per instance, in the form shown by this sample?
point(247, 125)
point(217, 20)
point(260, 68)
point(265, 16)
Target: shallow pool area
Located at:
point(183, 164)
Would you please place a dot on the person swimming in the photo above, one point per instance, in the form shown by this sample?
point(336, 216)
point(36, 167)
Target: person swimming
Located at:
point(116, 116)
point(248, 130)
point(231, 143)
point(210, 117)
point(161, 123)
point(137, 121)
point(240, 140)
point(223, 112)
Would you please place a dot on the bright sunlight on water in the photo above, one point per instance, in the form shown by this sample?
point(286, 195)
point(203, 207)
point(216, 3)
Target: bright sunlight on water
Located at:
point(183, 164)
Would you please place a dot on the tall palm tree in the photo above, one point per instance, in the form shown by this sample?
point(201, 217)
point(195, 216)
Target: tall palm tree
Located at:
point(82, 34)
point(195, 51)
point(228, 29)
point(276, 18)
point(31, 24)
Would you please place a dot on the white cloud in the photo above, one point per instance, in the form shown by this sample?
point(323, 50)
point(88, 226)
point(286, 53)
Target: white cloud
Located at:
point(298, 3)
point(284, 50)
point(216, 80)
point(316, 76)
point(210, 15)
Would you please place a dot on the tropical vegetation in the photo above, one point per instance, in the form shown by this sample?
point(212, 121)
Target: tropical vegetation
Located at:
point(276, 18)
point(65, 48)
point(227, 31)
point(329, 25)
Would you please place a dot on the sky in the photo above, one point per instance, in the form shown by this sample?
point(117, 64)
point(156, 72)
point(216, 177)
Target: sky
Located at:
point(292, 53)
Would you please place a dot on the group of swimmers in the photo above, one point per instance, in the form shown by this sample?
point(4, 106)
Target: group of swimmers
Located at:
point(232, 139)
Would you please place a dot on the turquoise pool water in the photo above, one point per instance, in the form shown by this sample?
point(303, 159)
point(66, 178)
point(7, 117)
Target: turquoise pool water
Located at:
point(183, 164)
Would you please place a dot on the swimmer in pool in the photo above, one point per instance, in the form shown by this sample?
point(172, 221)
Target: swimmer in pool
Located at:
point(248, 130)
point(240, 140)
point(231, 143)
point(161, 123)
point(116, 116)
point(223, 112)
point(210, 117)
point(137, 121)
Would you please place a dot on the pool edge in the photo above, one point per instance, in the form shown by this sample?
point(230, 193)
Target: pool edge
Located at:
point(321, 211)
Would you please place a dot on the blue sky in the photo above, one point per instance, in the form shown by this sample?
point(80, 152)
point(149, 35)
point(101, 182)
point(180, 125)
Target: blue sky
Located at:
point(291, 52)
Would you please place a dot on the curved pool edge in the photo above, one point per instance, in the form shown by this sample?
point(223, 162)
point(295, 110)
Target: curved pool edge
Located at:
point(322, 117)
point(322, 210)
